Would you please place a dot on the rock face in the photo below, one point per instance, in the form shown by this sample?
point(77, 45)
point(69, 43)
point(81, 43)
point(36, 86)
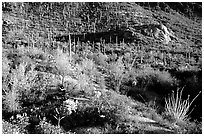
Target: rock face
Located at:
point(159, 32)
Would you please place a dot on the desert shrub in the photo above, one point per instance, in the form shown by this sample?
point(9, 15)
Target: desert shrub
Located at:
point(5, 67)
point(84, 76)
point(5, 73)
point(11, 101)
point(160, 82)
point(87, 115)
point(68, 115)
point(118, 105)
point(191, 80)
point(106, 108)
point(88, 67)
point(147, 85)
point(112, 58)
point(48, 128)
point(12, 95)
point(122, 72)
point(83, 82)
point(100, 68)
point(122, 128)
point(37, 53)
point(99, 59)
point(78, 81)
point(17, 56)
point(16, 126)
point(60, 110)
point(20, 84)
point(188, 127)
point(177, 110)
point(76, 58)
point(8, 128)
point(22, 50)
point(29, 79)
point(117, 72)
point(15, 35)
point(37, 92)
point(193, 128)
point(63, 63)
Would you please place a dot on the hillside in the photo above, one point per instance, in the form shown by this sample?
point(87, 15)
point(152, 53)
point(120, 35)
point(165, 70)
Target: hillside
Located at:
point(101, 68)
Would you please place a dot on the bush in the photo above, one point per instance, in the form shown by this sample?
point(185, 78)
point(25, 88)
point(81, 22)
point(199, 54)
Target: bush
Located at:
point(5, 67)
point(151, 80)
point(193, 127)
point(23, 88)
point(106, 108)
point(117, 72)
point(99, 59)
point(177, 109)
point(149, 85)
point(192, 80)
point(12, 95)
point(88, 67)
point(37, 53)
point(5, 73)
point(8, 128)
point(189, 127)
point(48, 128)
point(64, 64)
point(16, 126)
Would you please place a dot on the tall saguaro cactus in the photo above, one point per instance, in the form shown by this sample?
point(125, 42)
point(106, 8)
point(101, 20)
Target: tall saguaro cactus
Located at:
point(70, 46)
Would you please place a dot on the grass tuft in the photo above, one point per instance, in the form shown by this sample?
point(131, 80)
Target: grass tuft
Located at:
point(177, 108)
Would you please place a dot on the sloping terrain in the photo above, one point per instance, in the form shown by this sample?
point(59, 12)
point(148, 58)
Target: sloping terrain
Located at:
point(100, 68)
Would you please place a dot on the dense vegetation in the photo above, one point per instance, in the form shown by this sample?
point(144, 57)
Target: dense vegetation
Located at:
point(93, 68)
